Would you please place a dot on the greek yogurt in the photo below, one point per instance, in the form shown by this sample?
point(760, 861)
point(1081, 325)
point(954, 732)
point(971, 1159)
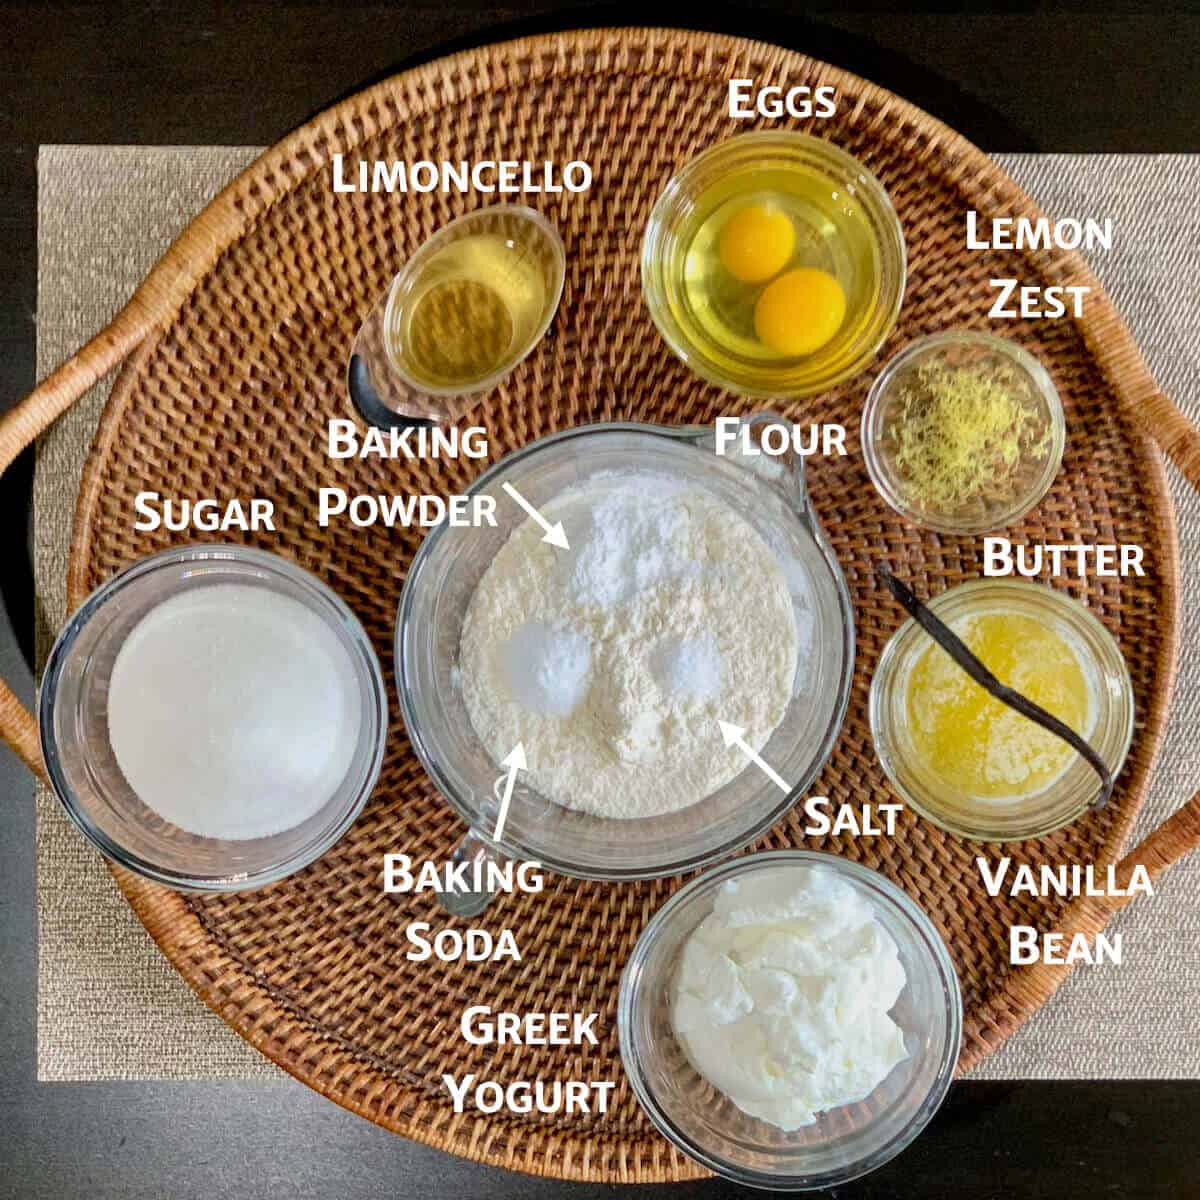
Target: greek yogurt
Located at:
point(783, 993)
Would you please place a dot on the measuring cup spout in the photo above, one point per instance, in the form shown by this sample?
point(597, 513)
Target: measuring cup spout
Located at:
point(784, 472)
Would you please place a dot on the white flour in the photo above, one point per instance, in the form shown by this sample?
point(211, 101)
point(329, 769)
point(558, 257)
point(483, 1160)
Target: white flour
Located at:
point(613, 661)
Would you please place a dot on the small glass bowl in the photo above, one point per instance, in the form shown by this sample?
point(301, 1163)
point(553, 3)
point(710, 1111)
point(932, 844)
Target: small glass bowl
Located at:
point(961, 348)
point(758, 161)
point(1073, 792)
point(534, 244)
point(843, 1143)
point(73, 724)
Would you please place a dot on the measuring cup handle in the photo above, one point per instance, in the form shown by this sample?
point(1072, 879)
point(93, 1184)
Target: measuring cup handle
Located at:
point(470, 904)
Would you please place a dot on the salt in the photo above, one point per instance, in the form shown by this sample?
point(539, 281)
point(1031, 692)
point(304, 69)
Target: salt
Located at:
point(688, 668)
point(233, 712)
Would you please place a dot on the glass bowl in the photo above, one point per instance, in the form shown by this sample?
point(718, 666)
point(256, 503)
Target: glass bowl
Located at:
point(1067, 797)
point(73, 724)
point(438, 591)
point(534, 258)
point(843, 1143)
point(871, 269)
point(962, 348)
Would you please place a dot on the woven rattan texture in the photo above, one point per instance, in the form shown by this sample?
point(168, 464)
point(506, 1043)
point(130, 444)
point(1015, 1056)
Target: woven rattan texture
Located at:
point(232, 398)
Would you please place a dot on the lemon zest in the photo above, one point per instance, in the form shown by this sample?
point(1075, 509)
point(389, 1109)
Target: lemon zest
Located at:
point(963, 432)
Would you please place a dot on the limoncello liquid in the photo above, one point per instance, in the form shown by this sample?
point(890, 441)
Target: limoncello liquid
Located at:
point(832, 234)
point(474, 309)
point(973, 743)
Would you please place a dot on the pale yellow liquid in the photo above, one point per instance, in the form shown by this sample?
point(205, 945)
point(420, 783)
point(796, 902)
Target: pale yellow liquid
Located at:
point(474, 310)
point(973, 743)
point(832, 234)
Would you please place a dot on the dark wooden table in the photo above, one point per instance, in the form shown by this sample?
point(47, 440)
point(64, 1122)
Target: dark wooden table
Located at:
point(1109, 78)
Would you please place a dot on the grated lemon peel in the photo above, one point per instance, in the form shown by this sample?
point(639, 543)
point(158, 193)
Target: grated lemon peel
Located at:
point(962, 432)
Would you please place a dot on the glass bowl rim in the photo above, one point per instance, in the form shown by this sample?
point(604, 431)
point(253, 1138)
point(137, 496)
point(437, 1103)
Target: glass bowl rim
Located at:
point(77, 812)
point(1006, 348)
point(893, 251)
point(631, 986)
point(890, 662)
point(450, 232)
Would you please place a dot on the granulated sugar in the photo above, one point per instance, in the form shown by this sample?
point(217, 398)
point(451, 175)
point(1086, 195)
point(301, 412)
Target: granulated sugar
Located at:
point(613, 661)
point(233, 711)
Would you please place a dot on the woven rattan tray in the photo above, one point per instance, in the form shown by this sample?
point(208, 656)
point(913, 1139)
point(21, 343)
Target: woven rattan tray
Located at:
point(234, 351)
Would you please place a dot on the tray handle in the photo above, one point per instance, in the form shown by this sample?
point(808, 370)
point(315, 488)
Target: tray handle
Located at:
point(1179, 834)
point(1175, 838)
point(18, 430)
point(1176, 436)
point(1161, 419)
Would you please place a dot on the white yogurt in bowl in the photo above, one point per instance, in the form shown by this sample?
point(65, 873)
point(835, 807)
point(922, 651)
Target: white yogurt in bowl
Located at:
point(791, 1020)
point(783, 996)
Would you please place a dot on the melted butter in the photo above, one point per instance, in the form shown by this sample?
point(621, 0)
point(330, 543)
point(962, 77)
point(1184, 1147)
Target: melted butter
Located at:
point(971, 741)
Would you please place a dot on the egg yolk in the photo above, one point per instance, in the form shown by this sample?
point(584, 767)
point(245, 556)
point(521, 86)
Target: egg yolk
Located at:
point(756, 243)
point(800, 311)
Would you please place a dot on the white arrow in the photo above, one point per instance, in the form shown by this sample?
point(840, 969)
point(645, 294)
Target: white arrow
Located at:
point(515, 761)
point(555, 534)
point(733, 735)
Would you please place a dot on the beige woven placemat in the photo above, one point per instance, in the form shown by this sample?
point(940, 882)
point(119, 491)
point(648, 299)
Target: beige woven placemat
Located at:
point(111, 1007)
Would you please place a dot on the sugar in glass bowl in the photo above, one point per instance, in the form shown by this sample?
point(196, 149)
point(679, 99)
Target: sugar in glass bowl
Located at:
point(845, 1142)
point(73, 719)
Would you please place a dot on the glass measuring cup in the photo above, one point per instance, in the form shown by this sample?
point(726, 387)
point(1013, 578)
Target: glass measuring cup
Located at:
point(770, 495)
